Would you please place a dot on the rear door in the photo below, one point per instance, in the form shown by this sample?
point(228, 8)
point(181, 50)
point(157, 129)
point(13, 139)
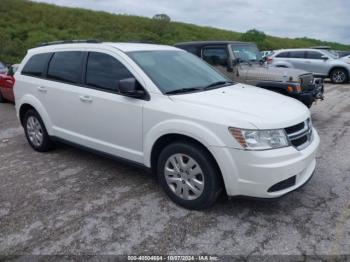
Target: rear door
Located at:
point(297, 59)
point(61, 89)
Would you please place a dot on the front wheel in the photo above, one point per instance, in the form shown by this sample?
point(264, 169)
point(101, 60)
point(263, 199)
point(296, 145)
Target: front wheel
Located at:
point(339, 76)
point(189, 175)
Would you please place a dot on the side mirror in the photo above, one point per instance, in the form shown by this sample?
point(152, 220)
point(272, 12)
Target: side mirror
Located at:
point(129, 87)
point(324, 57)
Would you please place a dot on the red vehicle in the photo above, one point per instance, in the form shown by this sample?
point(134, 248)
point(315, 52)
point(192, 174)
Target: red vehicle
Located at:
point(6, 85)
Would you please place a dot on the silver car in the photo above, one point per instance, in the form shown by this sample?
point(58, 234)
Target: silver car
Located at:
point(322, 63)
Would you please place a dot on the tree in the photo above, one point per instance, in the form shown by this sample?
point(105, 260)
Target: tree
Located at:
point(161, 24)
point(162, 17)
point(254, 35)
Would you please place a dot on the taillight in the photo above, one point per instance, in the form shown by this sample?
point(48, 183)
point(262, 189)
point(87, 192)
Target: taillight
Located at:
point(269, 60)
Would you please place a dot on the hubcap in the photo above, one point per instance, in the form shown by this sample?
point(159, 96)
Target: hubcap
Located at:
point(339, 76)
point(184, 176)
point(35, 131)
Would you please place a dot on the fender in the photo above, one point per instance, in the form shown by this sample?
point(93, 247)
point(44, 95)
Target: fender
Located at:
point(180, 127)
point(34, 102)
point(204, 136)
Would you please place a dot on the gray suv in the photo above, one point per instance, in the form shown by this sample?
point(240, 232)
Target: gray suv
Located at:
point(319, 62)
point(242, 62)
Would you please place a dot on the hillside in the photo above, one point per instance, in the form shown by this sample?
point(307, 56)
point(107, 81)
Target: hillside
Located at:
point(24, 24)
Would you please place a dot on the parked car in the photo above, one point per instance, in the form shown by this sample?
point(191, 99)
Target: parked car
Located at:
point(242, 62)
point(346, 59)
point(3, 68)
point(166, 110)
point(320, 62)
point(265, 53)
point(6, 85)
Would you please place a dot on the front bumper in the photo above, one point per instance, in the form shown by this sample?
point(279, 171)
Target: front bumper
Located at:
point(254, 173)
point(312, 93)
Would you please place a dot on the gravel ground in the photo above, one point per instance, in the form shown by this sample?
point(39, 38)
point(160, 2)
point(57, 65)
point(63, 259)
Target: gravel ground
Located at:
point(72, 202)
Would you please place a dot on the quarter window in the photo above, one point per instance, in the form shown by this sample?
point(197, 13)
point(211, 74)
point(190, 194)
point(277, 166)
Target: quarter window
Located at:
point(104, 72)
point(215, 55)
point(283, 55)
point(36, 65)
point(66, 67)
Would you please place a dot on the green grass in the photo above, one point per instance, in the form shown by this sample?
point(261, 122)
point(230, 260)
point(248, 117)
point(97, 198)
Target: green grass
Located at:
point(25, 24)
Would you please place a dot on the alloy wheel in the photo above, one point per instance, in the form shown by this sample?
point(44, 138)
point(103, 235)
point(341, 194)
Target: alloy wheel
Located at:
point(35, 131)
point(184, 176)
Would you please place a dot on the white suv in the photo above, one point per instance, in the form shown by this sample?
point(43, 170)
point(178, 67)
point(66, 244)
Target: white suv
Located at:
point(165, 109)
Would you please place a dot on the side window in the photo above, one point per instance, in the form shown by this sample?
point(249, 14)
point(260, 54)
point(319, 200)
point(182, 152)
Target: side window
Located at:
point(36, 65)
point(314, 55)
point(297, 54)
point(215, 55)
point(66, 66)
point(283, 55)
point(190, 49)
point(104, 71)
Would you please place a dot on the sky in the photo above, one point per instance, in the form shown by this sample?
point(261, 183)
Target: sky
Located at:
point(321, 19)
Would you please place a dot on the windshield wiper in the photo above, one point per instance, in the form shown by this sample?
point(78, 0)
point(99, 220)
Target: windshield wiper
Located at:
point(218, 84)
point(182, 90)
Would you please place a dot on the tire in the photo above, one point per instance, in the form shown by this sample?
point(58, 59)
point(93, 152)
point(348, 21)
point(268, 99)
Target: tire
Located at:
point(36, 133)
point(192, 166)
point(339, 76)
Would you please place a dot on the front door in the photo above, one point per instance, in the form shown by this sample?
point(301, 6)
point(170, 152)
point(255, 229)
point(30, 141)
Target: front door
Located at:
point(108, 121)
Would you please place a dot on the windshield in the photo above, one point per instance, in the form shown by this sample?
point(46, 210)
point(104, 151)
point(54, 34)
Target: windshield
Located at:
point(331, 53)
point(176, 70)
point(248, 53)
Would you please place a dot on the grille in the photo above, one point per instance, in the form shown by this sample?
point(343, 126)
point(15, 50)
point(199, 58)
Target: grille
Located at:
point(300, 135)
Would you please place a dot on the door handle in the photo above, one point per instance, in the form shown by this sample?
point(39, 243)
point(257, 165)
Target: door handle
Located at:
point(85, 98)
point(42, 89)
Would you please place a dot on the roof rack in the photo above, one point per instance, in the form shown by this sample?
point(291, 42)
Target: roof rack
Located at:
point(89, 41)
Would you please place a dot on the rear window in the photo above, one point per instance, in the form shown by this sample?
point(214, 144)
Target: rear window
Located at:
point(66, 67)
point(297, 54)
point(283, 55)
point(36, 65)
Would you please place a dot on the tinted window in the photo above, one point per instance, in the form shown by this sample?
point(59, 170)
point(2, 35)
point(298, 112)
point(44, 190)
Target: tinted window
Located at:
point(215, 55)
point(297, 54)
point(66, 66)
point(314, 55)
point(104, 71)
point(283, 55)
point(36, 65)
point(190, 49)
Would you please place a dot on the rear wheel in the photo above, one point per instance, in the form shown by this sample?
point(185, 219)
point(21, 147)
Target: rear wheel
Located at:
point(189, 175)
point(339, 76)
point(36, 133)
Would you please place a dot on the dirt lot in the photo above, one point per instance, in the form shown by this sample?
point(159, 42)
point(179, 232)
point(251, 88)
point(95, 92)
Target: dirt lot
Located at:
point(73, 202)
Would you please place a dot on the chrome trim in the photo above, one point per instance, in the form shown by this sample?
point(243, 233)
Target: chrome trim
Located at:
point(306, 131)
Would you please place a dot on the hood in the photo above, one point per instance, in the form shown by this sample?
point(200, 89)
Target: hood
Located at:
point(244, 106)
point(268, 73)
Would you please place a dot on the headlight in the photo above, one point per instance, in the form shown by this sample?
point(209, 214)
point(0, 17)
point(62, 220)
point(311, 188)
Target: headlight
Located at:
point(260, 139)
